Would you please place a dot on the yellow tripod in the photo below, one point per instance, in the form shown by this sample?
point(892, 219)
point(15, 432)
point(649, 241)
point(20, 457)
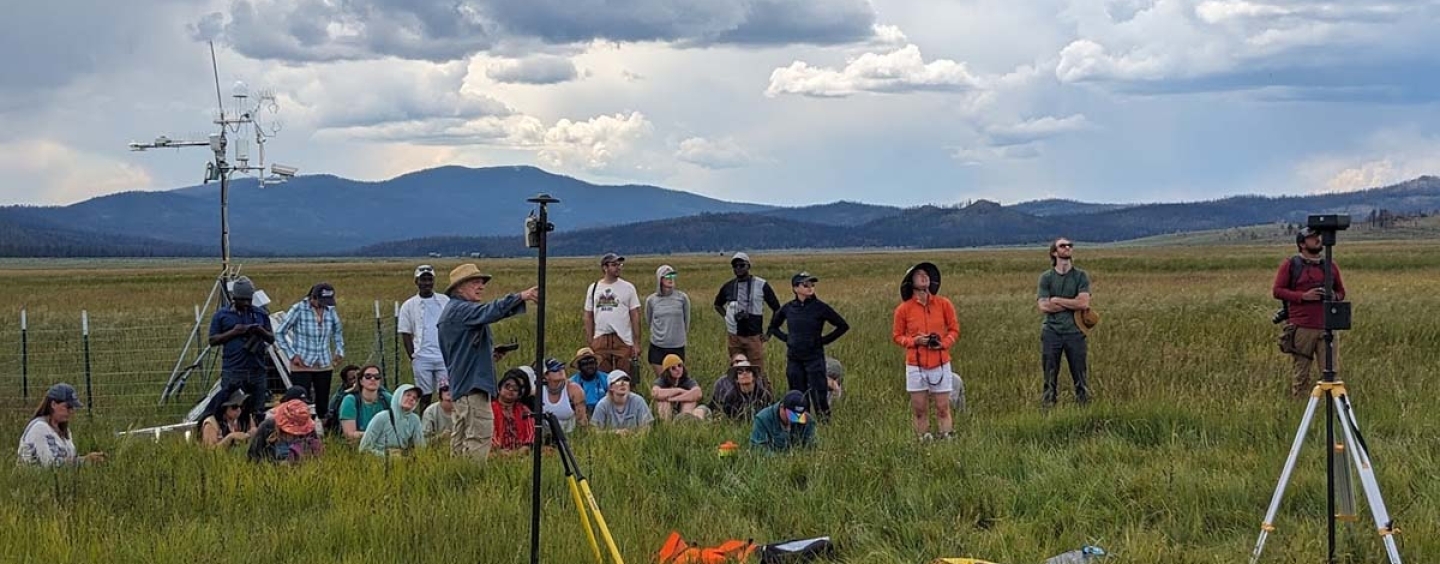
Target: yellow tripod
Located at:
point(584, 499)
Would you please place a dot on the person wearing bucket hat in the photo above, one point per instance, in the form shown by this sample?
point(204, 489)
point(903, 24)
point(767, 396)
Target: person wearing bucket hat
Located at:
point(674, 390)
point(926, 327)
point(468, 347)
point(244, 334)
point(306, 335)
point(805, 317)
point(784, 425)
point(1300, 286)
point(667, 313)
point(621, 411)
point(1063, 290)
point(224, 428)
point(514, 428)
point(419, 316)
point(563, 399)
point(612, 316)
point(591, 379)
point(289, 437)
point(739, 394)
point(46, 440)
point(741, 301)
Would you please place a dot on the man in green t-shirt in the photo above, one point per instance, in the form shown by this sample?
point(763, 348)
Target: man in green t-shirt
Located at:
point(1063, 291)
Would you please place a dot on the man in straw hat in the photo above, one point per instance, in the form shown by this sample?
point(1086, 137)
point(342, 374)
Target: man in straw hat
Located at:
point(1064, 289)
point(467, 345)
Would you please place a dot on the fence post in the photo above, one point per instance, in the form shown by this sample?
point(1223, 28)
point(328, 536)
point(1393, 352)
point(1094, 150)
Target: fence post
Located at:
point(396, 344)
point(85, 338)
point(379, 339)
point(24, 355)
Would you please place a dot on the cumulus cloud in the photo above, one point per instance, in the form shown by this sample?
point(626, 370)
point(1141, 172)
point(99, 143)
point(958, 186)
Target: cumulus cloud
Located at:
point(532, 70)
point(599, 144)
point(1205, 45)
point(1032, 130)
point(714, 154)
point(49, 172)
point(1386, 157)
point(443, 30)
point(363, 93)
point(985, 154)
point(902, 70)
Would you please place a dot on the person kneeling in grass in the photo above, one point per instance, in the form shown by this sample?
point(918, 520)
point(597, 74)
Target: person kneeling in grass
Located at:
point(620, 410)
point(289, 437)
point(224, 428)
point(785, 425)
point(46, 440)
point(739, 394)
point(359, 408)
point(397, 430)
point(514, 429)
point(674, 391)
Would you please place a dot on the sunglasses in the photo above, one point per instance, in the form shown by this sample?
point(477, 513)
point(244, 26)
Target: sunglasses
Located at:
point(671, 276)
point(373, 377)
point(1066, 245)
point(807, 284)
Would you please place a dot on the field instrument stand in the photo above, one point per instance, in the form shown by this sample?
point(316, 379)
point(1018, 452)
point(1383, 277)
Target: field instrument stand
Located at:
point(1351, 448)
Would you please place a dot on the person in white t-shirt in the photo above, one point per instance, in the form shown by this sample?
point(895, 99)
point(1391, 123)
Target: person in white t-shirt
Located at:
point(612, 317)
point(417, 325)
point(46, 441)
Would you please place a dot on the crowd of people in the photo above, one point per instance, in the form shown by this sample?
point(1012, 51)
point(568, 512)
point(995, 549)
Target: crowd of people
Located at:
point(459, 397)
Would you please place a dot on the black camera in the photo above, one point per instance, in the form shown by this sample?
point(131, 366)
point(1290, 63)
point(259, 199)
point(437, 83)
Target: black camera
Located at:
point(741, 315)
point(256, 345)
point(934, 342)
point(1331, 222)
point(1281, 314)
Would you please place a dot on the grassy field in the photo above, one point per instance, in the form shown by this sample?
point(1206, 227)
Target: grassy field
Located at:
point(1174, 462)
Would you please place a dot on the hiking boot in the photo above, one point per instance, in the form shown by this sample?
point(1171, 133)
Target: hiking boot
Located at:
point(949, 436)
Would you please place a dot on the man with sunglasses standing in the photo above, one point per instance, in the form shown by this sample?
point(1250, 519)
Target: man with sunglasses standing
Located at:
point(419, 317)
point(1063, 290)
point(806, 316)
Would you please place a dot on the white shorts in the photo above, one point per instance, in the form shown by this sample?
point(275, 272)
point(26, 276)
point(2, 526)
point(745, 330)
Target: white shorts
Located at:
point(934, 380)
point(429, 373)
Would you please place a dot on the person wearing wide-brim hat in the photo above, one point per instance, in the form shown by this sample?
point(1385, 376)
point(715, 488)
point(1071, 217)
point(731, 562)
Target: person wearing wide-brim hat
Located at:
point(228, 426)
point(467, 346)
point(926, 327)
point(740, 394)
point(594, 382)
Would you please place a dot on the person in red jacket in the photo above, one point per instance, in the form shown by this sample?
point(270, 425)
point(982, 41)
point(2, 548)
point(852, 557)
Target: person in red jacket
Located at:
point(926, 327)
point(1303, 293)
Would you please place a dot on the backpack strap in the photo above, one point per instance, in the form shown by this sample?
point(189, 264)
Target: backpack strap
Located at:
point(1297, 266)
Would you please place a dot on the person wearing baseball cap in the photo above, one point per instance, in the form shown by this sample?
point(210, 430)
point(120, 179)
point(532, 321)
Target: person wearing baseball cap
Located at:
point(612, 316)
point(741, 301)
point(784, 425)
point(419, 316)
point(244, 334)
point(562, 398)
point(806, 316)
point(46, 440)
point(306, 335)
point(1300, 285)
point(468, 346)
point(621, 411)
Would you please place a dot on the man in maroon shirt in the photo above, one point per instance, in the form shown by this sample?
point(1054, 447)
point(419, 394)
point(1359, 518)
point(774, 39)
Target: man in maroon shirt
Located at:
point(1304, 299)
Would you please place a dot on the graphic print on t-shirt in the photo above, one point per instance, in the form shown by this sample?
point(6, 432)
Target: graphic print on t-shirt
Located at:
point(606, 301)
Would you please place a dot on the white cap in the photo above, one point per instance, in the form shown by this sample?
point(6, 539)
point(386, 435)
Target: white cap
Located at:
point(740, 256)
point(616, 376)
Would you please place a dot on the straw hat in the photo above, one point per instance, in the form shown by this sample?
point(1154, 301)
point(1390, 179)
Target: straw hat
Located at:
point(465, 273)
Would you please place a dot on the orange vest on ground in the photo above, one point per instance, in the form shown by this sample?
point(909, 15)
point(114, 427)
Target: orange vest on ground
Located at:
point(677, 551)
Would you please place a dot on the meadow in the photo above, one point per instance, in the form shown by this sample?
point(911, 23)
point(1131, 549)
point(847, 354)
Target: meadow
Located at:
point(1173, 462)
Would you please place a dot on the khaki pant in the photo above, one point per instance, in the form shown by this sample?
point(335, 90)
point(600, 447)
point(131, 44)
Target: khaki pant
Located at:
point(474, 426)
point(753, 349)
point(613, 353)
point(1309, 349)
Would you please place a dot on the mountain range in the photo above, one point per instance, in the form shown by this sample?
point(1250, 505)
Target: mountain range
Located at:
point(459, 211)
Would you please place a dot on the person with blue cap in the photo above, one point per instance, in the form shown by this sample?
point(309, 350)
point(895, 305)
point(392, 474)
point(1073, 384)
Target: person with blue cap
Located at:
point(563, 399)
point(785, 425)
point(46, 441)
point(244, 334)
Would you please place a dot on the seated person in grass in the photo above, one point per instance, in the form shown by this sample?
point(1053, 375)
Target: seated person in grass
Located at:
point(834, 376)
point(46, 439)
point(349, 378)
point(436, 422)
point(738, 394)
point(621, 411)
point(226, 427)
point(674, 391)
point(595, 383)
point(564, 399)
point(397, 430)
point(289, 437)
point(359, 408)
point(785, 425)
point(514, 429)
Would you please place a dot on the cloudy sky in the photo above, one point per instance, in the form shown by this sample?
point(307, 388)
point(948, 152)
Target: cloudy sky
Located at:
point(775, 101)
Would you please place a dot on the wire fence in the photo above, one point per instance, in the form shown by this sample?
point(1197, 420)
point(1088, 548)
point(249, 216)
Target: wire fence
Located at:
point(120, 364)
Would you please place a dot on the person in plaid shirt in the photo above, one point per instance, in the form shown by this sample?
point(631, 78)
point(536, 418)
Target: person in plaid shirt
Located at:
point(305, 336)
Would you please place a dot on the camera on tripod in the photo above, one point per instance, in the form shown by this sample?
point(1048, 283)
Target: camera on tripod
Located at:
point(1337, 313)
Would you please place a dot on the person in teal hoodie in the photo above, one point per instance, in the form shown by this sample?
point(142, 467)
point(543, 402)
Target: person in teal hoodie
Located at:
point(785, 425)
point(398, 429)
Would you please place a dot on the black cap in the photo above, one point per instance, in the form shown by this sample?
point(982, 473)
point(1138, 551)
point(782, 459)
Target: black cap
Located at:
point(64, 393)
point(323, 292)
point(611, 257)
point(797, 405)
point(802, 277)
point(294, 393)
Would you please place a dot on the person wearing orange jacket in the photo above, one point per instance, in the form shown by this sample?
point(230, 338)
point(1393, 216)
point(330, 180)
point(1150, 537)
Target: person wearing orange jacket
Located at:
point(926, 327)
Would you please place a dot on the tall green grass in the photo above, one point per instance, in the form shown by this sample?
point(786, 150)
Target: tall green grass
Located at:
point(1174, 462)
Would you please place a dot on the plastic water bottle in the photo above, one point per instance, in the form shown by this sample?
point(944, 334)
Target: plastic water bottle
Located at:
point(1085, 555)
